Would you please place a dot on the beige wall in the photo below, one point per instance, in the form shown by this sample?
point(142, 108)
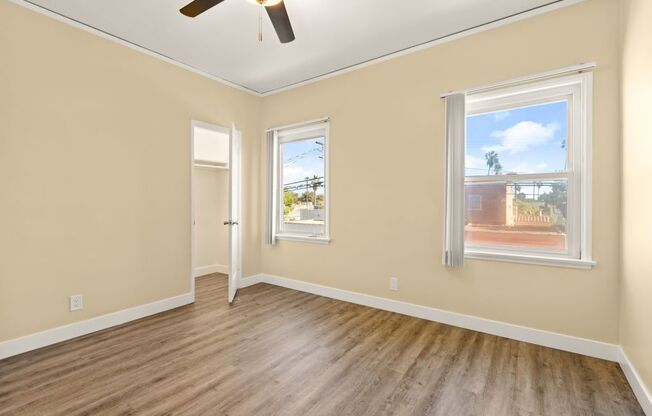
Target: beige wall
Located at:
point(211, 193)
point(636, 286)
point(80, 115)
point(95, 172)
point(387, 126)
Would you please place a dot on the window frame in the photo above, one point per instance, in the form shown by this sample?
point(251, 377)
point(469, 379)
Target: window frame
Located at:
point(577, 89)
point(305, 131)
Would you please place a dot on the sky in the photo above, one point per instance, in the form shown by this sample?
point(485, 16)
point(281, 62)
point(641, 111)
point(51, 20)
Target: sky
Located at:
point(527, 140)
point(303, 159)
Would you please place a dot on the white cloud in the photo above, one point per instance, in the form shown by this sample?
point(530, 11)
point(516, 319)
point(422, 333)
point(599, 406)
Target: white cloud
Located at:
point(501, 115)
point(541, 166)
point(522, 136)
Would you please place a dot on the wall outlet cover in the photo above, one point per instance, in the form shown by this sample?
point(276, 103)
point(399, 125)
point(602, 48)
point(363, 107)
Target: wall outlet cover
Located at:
point(76, 302)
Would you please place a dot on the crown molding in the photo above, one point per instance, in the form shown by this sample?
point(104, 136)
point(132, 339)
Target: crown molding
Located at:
point(124, 42)
point(558, 4)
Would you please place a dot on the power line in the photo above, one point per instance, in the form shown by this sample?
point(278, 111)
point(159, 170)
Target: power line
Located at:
point(300, 156)
point(305, 184)
point(307, 153)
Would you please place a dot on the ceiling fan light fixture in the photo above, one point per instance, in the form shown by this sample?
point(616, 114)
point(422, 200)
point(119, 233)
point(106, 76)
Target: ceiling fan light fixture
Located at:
point(266, 3)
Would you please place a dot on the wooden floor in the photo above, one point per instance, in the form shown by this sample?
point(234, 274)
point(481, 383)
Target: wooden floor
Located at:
point(282, 352)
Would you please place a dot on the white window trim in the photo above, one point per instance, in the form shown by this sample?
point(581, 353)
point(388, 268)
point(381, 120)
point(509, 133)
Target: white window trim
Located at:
point(580, 153)
point(277, 169)
point(529, 259)
point(304, 238)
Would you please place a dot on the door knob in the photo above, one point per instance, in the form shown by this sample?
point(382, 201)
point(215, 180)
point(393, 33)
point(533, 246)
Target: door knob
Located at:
point(230, 222)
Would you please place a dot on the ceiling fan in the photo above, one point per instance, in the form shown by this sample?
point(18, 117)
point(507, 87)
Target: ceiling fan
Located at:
point(275, 10)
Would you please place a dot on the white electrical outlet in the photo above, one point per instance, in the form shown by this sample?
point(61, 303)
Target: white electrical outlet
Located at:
point(76, 302)
point(393, 283)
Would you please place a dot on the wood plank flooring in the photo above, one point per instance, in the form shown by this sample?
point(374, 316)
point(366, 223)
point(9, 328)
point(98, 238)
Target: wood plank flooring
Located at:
point(283, 352)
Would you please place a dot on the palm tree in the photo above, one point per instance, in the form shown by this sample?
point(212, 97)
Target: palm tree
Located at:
point(498, 168)
point(538, 185)
point(314, 183)
point(492, 159)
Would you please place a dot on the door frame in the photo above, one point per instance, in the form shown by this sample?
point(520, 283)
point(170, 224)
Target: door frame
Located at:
point(217, 128)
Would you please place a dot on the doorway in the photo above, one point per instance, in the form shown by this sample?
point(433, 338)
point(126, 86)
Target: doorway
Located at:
point(215, 197)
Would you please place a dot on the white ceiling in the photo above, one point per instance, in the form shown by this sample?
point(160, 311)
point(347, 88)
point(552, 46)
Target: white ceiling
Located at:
point(330, 34)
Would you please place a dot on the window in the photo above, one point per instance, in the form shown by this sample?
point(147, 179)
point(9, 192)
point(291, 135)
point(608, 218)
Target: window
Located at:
point(527, 173)
point(475, 202)
point(300, 175)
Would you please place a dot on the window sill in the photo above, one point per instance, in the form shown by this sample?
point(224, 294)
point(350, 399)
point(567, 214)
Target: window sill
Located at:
point(530, 259)
point(304, 239)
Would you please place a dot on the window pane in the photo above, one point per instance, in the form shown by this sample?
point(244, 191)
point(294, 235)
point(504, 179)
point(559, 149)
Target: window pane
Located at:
point(526, 214)
point(522, 140)
point(303, 187)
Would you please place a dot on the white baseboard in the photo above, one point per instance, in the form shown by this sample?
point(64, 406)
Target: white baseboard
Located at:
point(211, 268)
point(63, 333)
point(562, 342)
point(638, 385)
point(250, 280)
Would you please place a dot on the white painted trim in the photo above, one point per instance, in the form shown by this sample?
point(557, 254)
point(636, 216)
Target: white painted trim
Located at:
point(194, 124)
point(210, 269)
point(211, 167)
point(636, 382)
point(427, 45)
point(586, 227)
point(562, 342)
point(105, 35)
point(527, 78)
point(327, 184)
point(304, 238)
point(250, 280)
point(63, 333)
point(191, 197)
point(540, 260)
point(516, 177)
point(299, 124)
point(210, 126)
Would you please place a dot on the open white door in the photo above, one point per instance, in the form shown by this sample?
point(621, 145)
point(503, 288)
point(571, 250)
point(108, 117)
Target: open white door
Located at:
point(235, 211)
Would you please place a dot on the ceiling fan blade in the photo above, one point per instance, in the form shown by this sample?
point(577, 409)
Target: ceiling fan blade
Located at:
point(281, 21)
point(198, 7)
